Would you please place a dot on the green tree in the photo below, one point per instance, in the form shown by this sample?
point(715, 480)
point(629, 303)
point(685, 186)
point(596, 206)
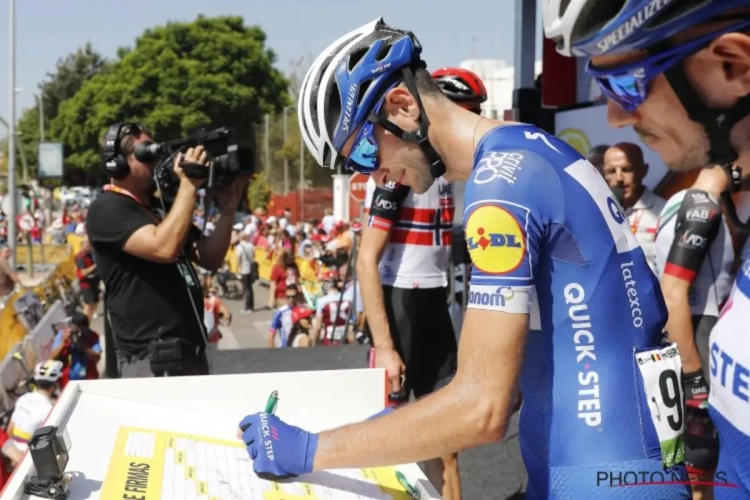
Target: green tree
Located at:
point(179, 77)
point(258, 192)
point(60, 85)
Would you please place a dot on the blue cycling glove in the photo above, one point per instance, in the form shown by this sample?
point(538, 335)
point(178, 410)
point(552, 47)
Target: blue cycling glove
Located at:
point(278, 450)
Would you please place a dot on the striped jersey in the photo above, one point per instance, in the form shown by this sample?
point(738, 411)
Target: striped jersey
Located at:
point(420, 228)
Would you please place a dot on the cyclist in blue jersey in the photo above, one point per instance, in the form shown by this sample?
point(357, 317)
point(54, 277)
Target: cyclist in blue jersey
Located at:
point(679, 74)
point(561, 296)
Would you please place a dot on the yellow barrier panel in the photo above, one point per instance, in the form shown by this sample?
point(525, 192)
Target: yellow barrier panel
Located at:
point(12, 330)
point(75, 241)
point(53, 254)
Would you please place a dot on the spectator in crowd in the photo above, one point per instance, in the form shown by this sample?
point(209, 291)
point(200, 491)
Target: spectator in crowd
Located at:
point(328, 220)
point(285, 241)
point(595, 156)
point(31, 410)
point(261, 239)
point(56, 233)
point(36, 230)
point(8, 276)
point(343, 237)
point(302, 242)
point(245, 252)
point(625, 168)
point(81, 224)
point(213, 311)
point(282, 322)
point(77, 347)
point(331, 310)
point(283, 274)
point(145, 258)
point(300, 334)
point(88, 279)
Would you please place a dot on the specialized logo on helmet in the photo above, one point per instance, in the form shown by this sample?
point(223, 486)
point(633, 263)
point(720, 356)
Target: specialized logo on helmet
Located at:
point(495, 240)
point(630, 25)
point(349, 108)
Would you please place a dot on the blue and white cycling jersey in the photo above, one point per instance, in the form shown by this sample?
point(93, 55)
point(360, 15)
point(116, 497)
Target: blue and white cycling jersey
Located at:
point(729, 400)
point(602, 398)
point(281, 325)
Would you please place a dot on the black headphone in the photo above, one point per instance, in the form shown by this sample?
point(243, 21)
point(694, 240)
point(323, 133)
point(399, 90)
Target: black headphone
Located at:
point(117, 165)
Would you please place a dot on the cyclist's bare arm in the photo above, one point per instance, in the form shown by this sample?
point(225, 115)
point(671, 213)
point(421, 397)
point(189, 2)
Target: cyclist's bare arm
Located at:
point(680, 322)
point(472, 409)
point(374, 241)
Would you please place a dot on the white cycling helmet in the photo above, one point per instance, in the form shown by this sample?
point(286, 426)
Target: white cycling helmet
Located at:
point(48, 371)
point(594, 27)
point(346, 81)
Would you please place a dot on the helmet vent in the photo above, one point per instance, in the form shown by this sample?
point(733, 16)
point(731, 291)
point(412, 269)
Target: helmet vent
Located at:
point(594, 16)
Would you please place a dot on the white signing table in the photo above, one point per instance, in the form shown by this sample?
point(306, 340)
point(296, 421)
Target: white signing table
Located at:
point(175, 438)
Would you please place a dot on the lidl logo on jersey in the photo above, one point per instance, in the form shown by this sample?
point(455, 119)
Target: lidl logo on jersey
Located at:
point(495, 238)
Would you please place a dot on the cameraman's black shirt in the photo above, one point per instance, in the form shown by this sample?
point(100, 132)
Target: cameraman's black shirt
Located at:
point(145, 300)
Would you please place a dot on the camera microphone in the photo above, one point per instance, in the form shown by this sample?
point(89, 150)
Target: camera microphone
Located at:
point(148, 152)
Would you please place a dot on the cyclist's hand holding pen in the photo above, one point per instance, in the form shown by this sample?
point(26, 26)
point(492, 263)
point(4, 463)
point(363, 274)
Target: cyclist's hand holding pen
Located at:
point(280, 450)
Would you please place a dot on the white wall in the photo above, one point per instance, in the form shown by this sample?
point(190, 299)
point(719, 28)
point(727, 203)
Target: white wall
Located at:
point(497, 76)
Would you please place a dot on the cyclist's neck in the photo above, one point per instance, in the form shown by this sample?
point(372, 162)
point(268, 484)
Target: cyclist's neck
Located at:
point(454, 133)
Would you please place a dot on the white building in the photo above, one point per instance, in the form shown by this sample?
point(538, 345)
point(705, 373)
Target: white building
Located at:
point(498, 78)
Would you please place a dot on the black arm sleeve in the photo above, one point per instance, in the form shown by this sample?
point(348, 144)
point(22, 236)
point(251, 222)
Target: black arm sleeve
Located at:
point(697, 225)
point(386, 204)
point(113, 219)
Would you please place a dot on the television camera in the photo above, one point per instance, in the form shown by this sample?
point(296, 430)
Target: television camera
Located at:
point(227, 159)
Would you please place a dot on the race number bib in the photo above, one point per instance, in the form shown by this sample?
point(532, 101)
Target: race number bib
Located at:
point(661, 369)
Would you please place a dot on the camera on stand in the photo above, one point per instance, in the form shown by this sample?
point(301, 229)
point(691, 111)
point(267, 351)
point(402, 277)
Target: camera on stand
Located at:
point(227, 159)
point(49, 448)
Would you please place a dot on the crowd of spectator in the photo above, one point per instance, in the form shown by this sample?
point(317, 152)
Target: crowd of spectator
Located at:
point(308, 260)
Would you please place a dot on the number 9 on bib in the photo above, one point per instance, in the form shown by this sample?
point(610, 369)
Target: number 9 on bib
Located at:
point(661, 370)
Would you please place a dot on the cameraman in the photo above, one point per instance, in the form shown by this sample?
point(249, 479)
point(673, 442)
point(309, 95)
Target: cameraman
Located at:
point(79, 350)
point(153, 295)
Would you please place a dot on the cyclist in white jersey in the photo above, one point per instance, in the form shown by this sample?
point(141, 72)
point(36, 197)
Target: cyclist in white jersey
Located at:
point(31, 409)
point(694, 258)
point(679, 74)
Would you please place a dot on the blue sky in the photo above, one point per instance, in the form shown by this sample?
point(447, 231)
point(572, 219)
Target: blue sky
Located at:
point(49, 29)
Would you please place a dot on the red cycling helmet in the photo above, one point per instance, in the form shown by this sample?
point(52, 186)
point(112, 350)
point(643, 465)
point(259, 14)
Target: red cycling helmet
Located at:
point(461, 86)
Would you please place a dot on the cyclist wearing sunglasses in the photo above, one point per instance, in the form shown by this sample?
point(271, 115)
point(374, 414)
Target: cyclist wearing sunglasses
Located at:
point(679, 74)
point(403, 271)
point(552, 253)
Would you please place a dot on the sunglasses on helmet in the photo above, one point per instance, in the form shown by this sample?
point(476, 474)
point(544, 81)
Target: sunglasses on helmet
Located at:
point(628, 85)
